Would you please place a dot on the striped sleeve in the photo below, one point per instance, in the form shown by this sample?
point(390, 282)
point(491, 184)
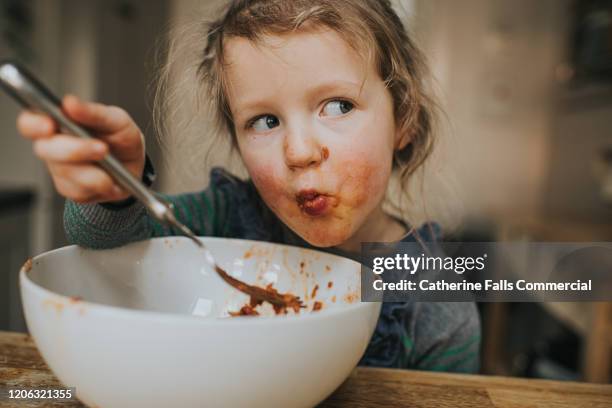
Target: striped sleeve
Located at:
point(98, 227)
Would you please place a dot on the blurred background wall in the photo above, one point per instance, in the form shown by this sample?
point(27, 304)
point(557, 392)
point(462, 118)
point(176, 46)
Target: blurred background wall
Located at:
point(525, 147)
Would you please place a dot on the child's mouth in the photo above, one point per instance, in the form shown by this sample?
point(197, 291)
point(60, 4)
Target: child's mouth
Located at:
point(312, 202)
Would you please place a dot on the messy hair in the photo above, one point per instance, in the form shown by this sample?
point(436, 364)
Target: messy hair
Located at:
point(371, 27)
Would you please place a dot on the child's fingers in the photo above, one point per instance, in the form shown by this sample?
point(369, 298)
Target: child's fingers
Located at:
point(96, 116)
point(70, 149)
point(85, 183)
point(35, 125)
point(72, 191)
point(127, 144)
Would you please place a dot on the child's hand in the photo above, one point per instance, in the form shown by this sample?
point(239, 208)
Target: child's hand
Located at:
point(70, 159)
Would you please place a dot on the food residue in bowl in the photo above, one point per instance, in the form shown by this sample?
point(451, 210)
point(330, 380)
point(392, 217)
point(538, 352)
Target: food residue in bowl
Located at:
point(75, 299)
point(73, 303)
point(249, 309)
point(279, 301)
point(257, 251)
point(246, 310)
point(290, 301)
point(54, 304)
point(27, 265)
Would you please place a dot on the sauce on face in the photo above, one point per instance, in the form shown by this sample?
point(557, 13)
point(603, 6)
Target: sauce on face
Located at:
point(325, 152)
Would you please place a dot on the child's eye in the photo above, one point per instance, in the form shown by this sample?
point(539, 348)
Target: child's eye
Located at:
point(337, 108)
point(264, 122)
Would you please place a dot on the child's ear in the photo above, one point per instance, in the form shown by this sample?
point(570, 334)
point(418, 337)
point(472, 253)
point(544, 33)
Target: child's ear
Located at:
point(402, 138)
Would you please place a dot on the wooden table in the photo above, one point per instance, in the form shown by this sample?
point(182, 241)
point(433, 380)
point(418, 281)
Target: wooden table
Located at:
point(22, 366)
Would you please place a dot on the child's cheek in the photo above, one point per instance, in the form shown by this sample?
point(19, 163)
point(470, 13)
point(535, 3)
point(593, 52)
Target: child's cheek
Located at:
point(364, 181)
point(269, 185)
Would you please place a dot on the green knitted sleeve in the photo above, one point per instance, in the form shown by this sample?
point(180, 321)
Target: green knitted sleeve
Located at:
point(98, 227)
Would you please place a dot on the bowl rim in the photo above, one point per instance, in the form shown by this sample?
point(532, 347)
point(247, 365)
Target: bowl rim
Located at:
point(27, 284)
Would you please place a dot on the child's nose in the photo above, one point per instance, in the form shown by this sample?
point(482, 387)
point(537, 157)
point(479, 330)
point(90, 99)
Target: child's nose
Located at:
point(302, 150)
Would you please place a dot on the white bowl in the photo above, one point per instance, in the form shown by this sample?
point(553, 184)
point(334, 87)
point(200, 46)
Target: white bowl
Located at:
point(146, 325)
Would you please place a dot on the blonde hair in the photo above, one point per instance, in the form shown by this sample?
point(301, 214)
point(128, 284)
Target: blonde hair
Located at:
point(371, 27)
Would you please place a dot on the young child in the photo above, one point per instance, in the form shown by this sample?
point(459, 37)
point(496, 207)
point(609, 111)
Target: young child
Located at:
point(323, 99)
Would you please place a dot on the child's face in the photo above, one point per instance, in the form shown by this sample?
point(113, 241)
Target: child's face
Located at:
point(316, 130)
